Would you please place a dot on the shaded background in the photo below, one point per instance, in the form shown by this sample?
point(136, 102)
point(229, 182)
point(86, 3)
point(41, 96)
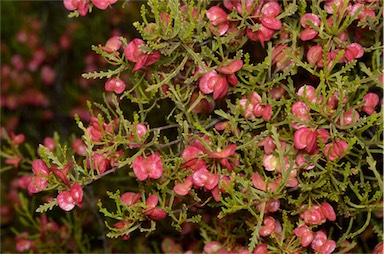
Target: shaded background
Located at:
point(43, 54)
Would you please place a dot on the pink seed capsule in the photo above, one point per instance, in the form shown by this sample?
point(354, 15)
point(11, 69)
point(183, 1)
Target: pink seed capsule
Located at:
point(130, 198)
point(271, 9)
point(315, 55)
point(115, 84)
point(308, 34)
point(308, 18)
point(150, 167)
point(183, 188)
point(103, 4)
point(112, 45)
point(328, 211)
point(371, 100)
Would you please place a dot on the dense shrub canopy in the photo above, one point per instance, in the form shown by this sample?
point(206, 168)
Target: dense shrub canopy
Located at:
point(214, 126)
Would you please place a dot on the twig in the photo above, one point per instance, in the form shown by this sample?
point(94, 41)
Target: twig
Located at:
point(97, 177)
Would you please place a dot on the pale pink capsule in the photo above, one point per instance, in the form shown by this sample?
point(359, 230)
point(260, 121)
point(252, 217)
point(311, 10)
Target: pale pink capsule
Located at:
point(315, 55)
point(271, 23)
point(267, 112)
point(353, 51)
point(308, 34)
point(366, 13)
point(65, 201)
point(270, 162)
point(300, 161)
point(308, 92)
point(247, 108)
point(349, 117)
point(203, 177)
point(130, 198)
point(183, 188)
point(225, 153)
point(371, 100)
point(152, 201)
point(231, 68)
point(319, 240)
point(313, 216)
point(273, 205)
point(305, 235)
point(328, 211)
point(71, 5)
point(269, 226)
point(156, 213)
point(23, 243)
point(305, 138)
point(212, 247)
point(49, 143)
point(269, 145)
point(77, 193)
point(330, 4)
point(328, 247)
point(113, 44)
point(277, 92)
point(335, 150)
point(271, 9)
point(324, 134)
point(150, 167)
point(216, 15)
point(37, 184)
point(213, 82)
point(301, 110)
point(261, 249)
point(103, 4)
point(309, 18)
point(39, 168)
point(116, 85)
point(79, 147)
point(101, 164)
point(258, 182)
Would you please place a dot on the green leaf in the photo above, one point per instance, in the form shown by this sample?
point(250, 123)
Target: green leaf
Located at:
point(47, 206)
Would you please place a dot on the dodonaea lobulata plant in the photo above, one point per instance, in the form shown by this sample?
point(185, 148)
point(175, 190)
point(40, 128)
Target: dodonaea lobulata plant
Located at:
point(257, 129)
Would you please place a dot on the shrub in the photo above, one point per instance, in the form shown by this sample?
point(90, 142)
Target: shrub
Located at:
point(256, 127)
